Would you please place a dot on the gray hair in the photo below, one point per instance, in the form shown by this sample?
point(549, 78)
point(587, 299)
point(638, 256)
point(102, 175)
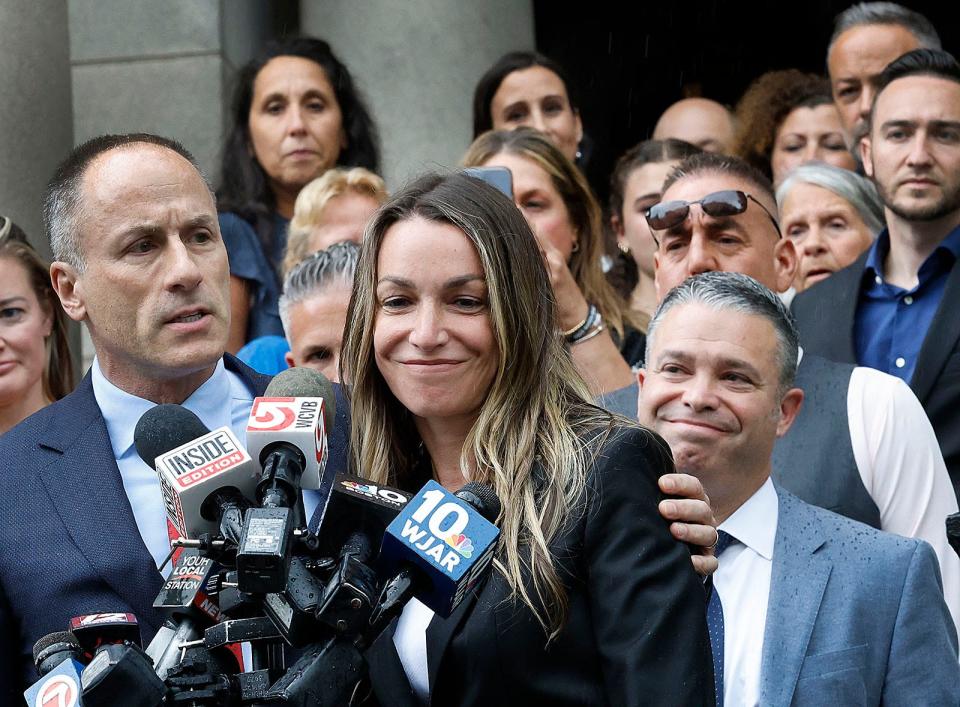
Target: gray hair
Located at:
point(885, 13)
point(858, 191)
point(731, 291)
point(63, 200)
point(338, 263)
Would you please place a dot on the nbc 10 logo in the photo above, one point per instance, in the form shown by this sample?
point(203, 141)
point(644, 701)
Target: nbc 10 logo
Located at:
point(439, 527)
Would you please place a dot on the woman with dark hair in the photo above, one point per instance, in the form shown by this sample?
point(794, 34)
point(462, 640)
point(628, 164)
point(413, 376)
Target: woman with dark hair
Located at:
point(786, 118)
point(528, 89)
point(295, 114)
point(35, 364)
point(458, 374)
point(634, 187)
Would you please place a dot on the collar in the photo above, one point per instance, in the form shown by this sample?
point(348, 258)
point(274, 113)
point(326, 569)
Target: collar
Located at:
point(121, 409)
point(755, 522)
point(881, 246)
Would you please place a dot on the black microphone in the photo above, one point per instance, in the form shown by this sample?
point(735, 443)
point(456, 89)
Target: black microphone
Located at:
point(117, 664)
point(121, 672)
point(185, 599)
point(53, 649)
point(286, 432)
point(57, 657)
point(953, 531)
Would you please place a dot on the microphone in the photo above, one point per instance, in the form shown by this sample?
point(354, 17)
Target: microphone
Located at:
point(56, 657)
point(439, 545)
point(205, 476)
point(288, 426)
point(286, 432)
point(121, 670)
point(953, 531)
point(117, 664)
point(185, 599)
point(351, 527)
point(95, 630)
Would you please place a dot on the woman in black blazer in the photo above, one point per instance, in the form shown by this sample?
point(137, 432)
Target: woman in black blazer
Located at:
point(458, 373)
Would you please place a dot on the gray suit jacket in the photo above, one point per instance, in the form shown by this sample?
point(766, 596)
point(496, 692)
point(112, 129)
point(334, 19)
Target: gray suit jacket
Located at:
point(856, 616)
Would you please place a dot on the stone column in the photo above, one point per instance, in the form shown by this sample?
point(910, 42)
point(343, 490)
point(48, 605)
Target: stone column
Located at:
point(36, 127)
point(417, 63)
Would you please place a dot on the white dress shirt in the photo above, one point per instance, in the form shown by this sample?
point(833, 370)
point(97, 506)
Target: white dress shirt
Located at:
point(902, 468)
point(743, 583)
point(410, 640)
point(222, 400)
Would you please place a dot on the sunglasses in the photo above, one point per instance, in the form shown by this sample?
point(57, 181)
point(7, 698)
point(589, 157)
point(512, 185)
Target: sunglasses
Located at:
point(719, 204)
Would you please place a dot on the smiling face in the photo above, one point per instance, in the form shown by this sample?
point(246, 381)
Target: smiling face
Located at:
point(154, 290)
point(536, 98)
point(913, 150)
point(538, 199)
point(746, 243)
point(315, 329)
point(807, 135)
point(827, 230)
point(433, 339)
point(24, 327)
point(711, 389)
point(295, 123)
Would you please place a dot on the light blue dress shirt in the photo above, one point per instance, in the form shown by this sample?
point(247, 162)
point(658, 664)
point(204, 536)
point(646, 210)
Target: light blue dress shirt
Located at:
point(121, 411)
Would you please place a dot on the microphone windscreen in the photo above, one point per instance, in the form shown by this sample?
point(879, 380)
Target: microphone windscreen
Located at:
point(163, 428)
point(66, 638)
point(300, 382)
point(481, 497)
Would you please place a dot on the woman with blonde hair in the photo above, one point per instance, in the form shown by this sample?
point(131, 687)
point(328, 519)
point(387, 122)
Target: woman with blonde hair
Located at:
point(332, 209)
point(458, 373)
point(35, 364)
point(603, 334)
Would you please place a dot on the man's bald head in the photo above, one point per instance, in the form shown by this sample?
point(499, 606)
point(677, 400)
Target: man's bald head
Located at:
point(63, 198)
point(699, 121)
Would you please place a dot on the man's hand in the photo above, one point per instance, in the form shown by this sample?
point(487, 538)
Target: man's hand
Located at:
point(692, 517)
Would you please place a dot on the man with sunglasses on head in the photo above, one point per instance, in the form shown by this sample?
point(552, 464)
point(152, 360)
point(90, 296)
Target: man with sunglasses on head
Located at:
point(860, 445)
point(895, 307)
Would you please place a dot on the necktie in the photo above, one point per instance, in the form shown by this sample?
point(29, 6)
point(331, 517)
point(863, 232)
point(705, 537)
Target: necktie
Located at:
point(715, 620)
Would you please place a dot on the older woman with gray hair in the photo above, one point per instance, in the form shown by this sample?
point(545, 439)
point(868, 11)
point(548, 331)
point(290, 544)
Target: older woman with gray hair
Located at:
point(832, 215)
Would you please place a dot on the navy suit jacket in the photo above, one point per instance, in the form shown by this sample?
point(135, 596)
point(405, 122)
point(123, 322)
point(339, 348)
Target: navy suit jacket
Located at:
point(856, 616)
point(825, 317)
point(70, 542)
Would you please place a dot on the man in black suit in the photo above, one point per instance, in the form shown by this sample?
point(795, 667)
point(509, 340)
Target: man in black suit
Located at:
point(894, 309)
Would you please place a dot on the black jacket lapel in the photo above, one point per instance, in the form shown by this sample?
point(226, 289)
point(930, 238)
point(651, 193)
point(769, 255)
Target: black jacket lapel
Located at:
point(940, 340)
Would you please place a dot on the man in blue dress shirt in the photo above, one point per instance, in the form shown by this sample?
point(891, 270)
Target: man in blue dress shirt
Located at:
point(895, 309)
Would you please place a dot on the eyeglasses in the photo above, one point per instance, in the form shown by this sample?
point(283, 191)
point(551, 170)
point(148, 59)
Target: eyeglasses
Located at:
point(719, 204)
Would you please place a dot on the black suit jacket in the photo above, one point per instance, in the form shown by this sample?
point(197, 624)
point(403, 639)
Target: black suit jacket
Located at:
point(825, 315)
point(70, 541)
point(636, 628)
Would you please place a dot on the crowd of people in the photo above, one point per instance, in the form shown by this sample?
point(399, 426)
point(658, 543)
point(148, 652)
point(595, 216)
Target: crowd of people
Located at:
point(721, 411)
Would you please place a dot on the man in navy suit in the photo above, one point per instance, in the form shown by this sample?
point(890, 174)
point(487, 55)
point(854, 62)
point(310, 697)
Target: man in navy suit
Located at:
point(139, 260)
point(808, 607)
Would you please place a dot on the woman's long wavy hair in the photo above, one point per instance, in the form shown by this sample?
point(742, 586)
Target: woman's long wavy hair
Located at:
point(58, 376)
point(586, 216)
point(244, 187)
point(527, 443)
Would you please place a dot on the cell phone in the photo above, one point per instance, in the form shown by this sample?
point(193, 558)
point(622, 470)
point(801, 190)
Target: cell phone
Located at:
point(498, 177)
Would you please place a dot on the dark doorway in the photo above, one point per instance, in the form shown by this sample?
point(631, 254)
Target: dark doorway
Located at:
point(629, 65)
